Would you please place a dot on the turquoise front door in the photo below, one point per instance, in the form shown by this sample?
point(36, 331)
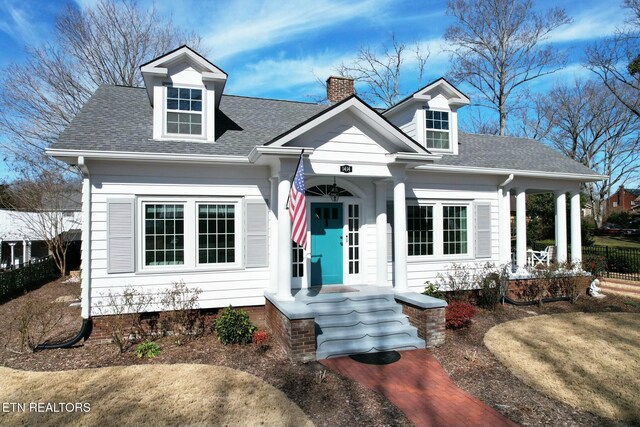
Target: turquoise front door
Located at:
point(326, 243)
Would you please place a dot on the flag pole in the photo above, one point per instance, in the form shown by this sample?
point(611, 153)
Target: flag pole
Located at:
point(292, 179)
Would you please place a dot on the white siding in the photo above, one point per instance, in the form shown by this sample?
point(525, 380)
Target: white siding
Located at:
point(220, 288)
point(449, 187)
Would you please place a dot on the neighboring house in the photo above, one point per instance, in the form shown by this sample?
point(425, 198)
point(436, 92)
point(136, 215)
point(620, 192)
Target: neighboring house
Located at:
point(183, 182)
point(22, 234)
point(623, 200)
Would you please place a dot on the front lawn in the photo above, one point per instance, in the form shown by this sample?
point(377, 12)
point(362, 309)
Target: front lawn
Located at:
point(473, 367)
point(156, 395)
point(326, 398)
point(618, 241)
point(588, 360)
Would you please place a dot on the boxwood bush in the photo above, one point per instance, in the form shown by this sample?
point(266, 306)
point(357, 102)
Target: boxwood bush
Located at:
point(233, 326)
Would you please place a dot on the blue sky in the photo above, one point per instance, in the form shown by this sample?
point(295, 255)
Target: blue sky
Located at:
point(277, 48)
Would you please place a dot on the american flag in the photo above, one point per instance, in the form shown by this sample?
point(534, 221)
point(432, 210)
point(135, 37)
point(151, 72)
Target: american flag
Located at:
point(298, 208)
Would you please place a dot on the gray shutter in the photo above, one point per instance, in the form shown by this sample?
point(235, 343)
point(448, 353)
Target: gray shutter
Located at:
point(256, 234)
point(483, 230)
point(120, 236)
point(390, 245)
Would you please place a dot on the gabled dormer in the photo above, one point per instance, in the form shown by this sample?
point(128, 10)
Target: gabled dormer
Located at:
point(430, 116)
point(184, 89)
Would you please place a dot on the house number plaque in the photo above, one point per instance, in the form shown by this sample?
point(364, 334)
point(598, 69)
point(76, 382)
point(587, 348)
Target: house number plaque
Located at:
point(346, 168)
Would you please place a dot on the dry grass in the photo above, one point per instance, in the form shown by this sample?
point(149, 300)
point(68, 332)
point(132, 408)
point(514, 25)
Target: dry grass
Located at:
point(590, 361)
point(151, 395)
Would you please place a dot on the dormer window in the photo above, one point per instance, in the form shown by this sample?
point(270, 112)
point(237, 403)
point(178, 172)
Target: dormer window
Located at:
point(437, 127)
point(184, 111)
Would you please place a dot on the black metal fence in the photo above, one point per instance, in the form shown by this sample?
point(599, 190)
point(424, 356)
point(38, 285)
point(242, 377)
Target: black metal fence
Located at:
point(29, 276)
point(613, 262)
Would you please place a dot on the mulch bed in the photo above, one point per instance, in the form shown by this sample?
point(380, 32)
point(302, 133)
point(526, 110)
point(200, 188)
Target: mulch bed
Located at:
point(472, 367)
point(327, 398)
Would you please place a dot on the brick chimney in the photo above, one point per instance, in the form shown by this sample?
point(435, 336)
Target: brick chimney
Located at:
point(339, 88)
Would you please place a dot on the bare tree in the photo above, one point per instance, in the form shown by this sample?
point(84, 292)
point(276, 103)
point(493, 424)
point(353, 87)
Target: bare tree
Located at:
point(587, 123)
point(45, 207)
point(616, 60)
point(496, 47)
point(103, 44)
point(381, 70)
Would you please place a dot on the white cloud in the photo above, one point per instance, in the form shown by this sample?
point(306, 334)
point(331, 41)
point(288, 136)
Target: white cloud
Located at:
point(249, 25)
point(272, 75)
point(589, 25)
point(17, 24)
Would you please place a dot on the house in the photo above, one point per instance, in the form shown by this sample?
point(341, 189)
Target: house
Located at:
point(183, 182)
point(23, 234)
point(623, 200)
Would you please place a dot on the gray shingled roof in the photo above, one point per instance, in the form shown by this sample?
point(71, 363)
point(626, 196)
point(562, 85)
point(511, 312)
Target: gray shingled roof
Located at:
point(120, 118)
point(505, 152)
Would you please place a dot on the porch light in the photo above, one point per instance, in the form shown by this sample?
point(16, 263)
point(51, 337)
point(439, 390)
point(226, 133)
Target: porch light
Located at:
point(334, 192)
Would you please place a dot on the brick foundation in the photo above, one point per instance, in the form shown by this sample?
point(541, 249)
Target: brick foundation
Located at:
point(297, 337)
point(527, 290)
point(155, 322)
point(430, 323)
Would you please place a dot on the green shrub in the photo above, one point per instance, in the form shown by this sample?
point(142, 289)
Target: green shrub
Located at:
point(619, 262)
point(233, 326)
point(432, 290)
point(147, 350)
point(492, 281)
point(16, 282)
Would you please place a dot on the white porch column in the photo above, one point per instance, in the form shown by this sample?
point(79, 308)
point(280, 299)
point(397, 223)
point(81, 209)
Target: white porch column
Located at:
point(521, 230)
point(561, 226)
point(504, 203)
point(13, 253)
point(273, 235)
point(400, 234)
point(576, 232)
point(24, 251)
point(381, 233)
point(284, 240)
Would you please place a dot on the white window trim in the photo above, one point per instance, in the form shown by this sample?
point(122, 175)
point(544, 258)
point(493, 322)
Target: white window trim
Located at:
point(438, 231)
point(191, 263)
point(448, 131)
point(203, 122)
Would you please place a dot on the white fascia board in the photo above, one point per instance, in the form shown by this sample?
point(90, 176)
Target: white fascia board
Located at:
point(412, 157)
point(520, 173)
point(67, 155)
point(267, 150)
point(156, 71)
point(214, 77)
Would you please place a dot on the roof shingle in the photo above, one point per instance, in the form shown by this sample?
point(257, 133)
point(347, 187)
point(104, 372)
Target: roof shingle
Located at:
point(118, 118)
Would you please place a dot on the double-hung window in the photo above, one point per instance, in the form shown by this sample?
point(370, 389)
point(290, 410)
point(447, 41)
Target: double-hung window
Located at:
point(419, 230)
point(184, 111)
point(164, 234)
point(454, 227)
point(216, 233)
point(437, 128)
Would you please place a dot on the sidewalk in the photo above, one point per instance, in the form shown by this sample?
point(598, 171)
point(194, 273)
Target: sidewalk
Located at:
point(419, 387)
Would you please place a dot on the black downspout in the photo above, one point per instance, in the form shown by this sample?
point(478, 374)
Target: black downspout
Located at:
point(84, 332)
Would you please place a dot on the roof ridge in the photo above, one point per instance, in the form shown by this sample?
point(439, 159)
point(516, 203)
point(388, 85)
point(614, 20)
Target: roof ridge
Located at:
point(272, 99)
point(498, 136)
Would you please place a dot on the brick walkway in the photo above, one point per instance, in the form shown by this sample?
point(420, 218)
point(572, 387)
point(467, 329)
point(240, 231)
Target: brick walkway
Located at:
point(419, 387)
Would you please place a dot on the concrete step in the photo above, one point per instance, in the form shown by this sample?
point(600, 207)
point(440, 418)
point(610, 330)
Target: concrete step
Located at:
point(363, 331)
point(321, 300)
point(361, 307)
point(361, 319)
point(368, 345)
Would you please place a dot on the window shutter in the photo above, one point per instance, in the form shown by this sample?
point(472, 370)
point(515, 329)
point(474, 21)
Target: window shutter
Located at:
point(256, 234)
point(390, 245)
point(483, 230)
point(120, 236)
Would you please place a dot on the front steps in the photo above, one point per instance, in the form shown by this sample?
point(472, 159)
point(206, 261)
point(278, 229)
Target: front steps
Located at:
point(358, 322)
